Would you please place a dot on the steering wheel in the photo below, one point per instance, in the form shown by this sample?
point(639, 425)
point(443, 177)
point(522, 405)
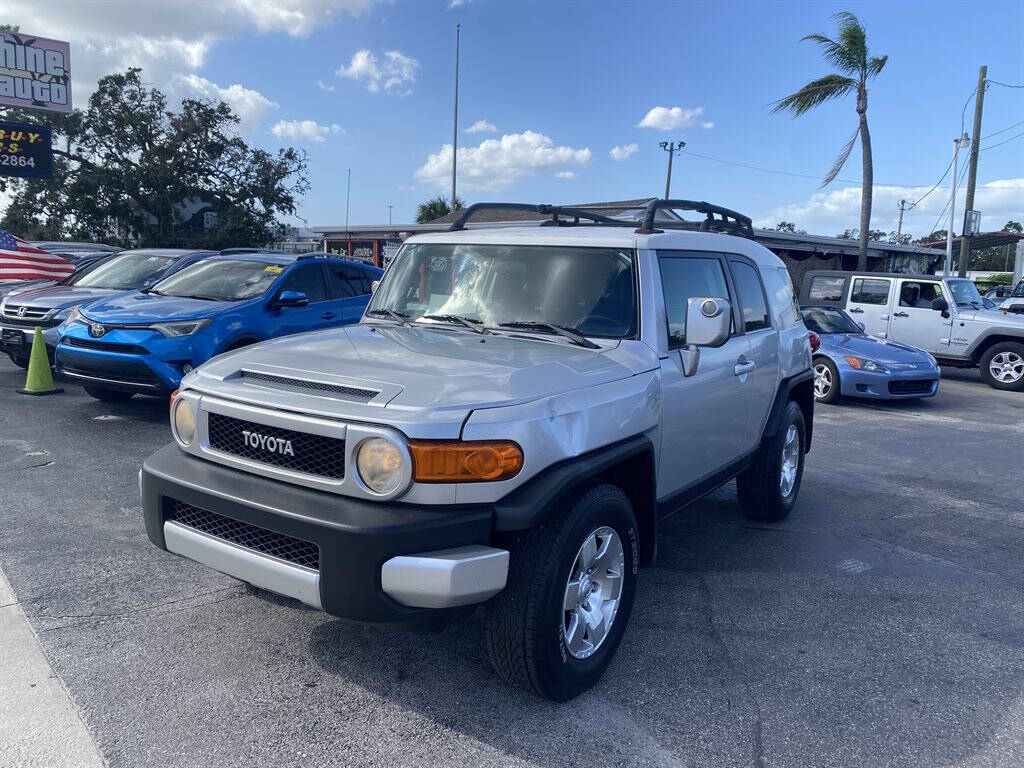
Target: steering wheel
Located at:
point(609, 325)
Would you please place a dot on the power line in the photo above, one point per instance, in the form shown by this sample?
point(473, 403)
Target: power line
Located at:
point(1004, 130)
point(945, 208)
point(920, 199)
point(1005, 85)
point(1007, 141)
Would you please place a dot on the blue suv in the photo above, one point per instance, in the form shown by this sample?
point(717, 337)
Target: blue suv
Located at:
point(144, 342)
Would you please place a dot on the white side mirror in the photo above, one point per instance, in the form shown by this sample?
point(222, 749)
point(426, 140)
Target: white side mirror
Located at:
point(373, 286)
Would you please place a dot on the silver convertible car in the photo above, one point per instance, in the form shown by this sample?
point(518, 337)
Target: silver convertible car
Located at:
point(851, 363)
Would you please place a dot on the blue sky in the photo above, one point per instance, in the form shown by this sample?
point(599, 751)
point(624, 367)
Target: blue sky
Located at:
point(563, 83)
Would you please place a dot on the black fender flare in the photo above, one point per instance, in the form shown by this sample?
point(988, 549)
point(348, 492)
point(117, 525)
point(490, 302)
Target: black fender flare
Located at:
point(799, 388)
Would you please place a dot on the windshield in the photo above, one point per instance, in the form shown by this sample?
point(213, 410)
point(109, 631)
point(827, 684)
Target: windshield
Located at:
point(220, 280)
point(1018, 292)
point(125, 272)
point(965, 293)
point(828, 320)
point(587, 290)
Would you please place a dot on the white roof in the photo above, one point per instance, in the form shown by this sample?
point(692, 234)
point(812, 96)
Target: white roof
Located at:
point(606, 237)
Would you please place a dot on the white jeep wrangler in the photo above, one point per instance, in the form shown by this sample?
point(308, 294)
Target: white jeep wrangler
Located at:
point(506, 426)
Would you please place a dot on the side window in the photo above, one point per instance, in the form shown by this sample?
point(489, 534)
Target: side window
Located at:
point(345, 281)
point(683, 278)
point(779, 288)
point(751, 295)
point(826, 288)
point(919, 294)
point(867, 290)
point(307, 279)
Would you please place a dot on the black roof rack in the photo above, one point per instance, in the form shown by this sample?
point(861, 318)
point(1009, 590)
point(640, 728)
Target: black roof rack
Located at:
point(728, 220)
point(554, 211)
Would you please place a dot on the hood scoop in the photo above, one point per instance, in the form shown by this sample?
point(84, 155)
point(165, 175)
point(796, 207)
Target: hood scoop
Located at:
point(351, 394)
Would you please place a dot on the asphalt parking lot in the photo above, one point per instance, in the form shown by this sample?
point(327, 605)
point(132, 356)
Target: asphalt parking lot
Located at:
point(881, 624)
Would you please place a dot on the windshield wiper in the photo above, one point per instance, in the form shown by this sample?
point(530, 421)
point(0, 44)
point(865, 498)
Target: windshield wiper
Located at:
point(201, 296)
point(469, 322)
point(152, 291)
point(399, 317)
point(574, 336)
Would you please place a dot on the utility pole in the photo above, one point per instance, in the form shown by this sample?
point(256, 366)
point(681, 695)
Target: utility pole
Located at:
point(390, 206)
point(455, 119)
point(671, 147)
point(348, 197)
point(963, 141)
point(972, 172)
point(899, 227)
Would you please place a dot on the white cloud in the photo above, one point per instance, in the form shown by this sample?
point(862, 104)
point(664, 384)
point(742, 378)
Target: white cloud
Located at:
point(250, 106)
point(455, 4)
point(565, 175)
point(305, 131)
point(482, 126)
point(324, 86)
point(167, 39)
point(833, 211)
point(624, 152)
point(499, 163)
point(670, 118)
point(394, 71)
point(708, 124)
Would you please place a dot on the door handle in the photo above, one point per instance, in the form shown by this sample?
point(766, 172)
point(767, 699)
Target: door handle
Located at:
point(328, 316)
point(900, 314)
point(742, 368)
point(857, 310)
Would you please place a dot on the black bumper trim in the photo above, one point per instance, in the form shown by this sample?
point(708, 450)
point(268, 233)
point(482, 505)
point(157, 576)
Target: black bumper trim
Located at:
point(355, 537)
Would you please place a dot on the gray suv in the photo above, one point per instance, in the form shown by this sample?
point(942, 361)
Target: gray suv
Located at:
point(506, 426)
point(945, 316)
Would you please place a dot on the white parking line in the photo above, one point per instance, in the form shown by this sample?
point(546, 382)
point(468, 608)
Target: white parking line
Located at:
point(39, 724)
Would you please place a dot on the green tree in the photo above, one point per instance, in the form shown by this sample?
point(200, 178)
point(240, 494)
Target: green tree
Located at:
point(1013, 226)
point(435, 208)
point(127, 168)
point(939, 235)
point(849, 54)
point(789, 226)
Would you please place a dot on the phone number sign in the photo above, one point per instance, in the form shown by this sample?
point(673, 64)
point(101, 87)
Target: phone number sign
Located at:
point(25, 150)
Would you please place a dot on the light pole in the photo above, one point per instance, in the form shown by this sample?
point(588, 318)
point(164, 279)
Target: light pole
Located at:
point(390, 206)
point(455, 118)
point(671, 147)
point(962, 142)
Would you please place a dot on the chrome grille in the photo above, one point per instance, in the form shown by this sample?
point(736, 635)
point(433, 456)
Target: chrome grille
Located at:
point(11, 312)
point(279, 545)
point(312, 454)
point(357, 393)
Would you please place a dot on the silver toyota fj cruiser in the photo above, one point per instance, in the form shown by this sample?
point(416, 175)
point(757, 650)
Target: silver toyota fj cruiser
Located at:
point(516, 411)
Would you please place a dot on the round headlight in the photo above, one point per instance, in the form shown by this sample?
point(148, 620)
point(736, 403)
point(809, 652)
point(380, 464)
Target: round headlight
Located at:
point(184, 421)
point(380, 465)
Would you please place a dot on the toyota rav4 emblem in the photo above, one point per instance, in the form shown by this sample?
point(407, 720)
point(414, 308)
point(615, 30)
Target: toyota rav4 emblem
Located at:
point(96, 329)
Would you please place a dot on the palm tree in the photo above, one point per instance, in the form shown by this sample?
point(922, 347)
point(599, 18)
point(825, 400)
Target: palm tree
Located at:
point(849, 54)
point(435, 208)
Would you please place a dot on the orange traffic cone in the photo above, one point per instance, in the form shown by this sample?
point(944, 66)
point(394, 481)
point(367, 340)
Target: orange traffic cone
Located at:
point(39, 380)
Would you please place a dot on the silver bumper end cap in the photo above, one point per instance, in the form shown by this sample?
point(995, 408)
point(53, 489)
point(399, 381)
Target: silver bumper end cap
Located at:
point(268, 573)
point(446, 578)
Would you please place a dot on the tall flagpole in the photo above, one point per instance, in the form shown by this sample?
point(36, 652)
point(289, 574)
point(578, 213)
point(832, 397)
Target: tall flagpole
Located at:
point(455, 119)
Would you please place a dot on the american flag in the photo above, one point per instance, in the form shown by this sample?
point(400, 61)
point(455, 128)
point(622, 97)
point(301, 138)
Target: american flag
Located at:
point(21, 261)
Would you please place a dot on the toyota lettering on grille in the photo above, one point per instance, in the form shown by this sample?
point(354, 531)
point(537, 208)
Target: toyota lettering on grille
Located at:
point(266, 443)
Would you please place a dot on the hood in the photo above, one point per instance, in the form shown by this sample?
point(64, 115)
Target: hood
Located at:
point(873, 348)
point(138, 307)
point(56, 296)
point(417, 368)
point(993, 316)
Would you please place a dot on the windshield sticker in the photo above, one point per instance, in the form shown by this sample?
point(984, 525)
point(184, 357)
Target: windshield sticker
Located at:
point(273, 269)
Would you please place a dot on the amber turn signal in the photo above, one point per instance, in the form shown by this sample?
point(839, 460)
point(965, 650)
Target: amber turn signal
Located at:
point(436, 461)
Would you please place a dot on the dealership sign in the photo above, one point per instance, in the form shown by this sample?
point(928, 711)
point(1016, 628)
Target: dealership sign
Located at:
point(34, 72)
point(25, 150)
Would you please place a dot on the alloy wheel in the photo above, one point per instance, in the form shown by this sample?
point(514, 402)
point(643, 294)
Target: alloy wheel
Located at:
point(593, 592)
point(790, 461)
point(822, 381)
point(1006, 367)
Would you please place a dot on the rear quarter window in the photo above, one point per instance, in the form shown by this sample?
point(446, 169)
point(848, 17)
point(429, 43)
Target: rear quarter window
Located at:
point(826, 288)
point(781, 299)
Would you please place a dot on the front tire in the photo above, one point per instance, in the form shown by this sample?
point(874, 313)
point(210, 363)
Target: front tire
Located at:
point(1002, 366)
point(768, 488)
point(108, 395)
point(555, 627)
point(826, 381)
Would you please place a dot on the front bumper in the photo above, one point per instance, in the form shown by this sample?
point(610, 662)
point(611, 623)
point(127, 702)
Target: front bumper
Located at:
point(10, 332)
point(894, 385)
point(138, 361)
point(368, 561)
